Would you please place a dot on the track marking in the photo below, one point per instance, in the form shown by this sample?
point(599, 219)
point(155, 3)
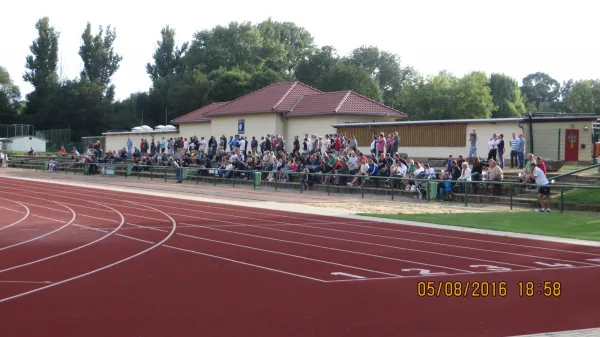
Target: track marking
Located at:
point(374, 244)
point(27, 282)
point(74, 249)
point(348, 275)
point(245, 263)
point(594, 260)
point(424, 271)
point(337, 249)
point(102, 193)
point(540, 270)
point(271, 251)
point(439, 244)
point(67, 189)
point(44, 235)
point(27, 212)
point(101, 268)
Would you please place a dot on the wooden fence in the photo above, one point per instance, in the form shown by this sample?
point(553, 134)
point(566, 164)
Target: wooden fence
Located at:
point(412, 135)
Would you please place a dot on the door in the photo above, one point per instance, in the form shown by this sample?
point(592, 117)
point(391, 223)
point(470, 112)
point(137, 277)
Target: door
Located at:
point(571, 145)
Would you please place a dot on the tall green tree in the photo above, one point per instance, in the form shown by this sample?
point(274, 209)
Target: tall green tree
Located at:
point(583, 97)
point(10, 98)
point(345, 76)
point(311, 71)
point(506, 96)
point(100, 61)
point(384, 67)
point(42, 65)
point(297, 42)
point(541, 90)
point(168, 57)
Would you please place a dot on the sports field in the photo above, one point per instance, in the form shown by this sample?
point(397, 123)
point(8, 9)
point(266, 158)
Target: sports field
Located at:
point(108, 261)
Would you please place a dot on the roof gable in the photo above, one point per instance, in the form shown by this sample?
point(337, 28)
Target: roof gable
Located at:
point(341, 102)
point(198, 115)
point(275, 97)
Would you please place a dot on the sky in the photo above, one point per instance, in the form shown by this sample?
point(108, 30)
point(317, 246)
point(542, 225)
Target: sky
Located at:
point(512, 37)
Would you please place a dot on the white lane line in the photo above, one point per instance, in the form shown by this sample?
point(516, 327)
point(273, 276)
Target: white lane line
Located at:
point(463, 274)
point(376, 244)
point(379, 228)
point(74, 249)
point(271, 251)
point(395, 247)
point(256, 210)
point(366, 224)
point(245, 263)
point(439, 244)
point(101, 268)
point(27, 212)
point(337, 249)
point(44, 235)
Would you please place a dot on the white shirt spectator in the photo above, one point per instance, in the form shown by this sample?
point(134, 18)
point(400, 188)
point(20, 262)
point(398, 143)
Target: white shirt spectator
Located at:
point(493, 143)
point(186, 145)
point(401, 170)
point(430, 173)
point(364, 168)
point(465, 174)
point(540, 177)
point(202, 145)
point(243, 145)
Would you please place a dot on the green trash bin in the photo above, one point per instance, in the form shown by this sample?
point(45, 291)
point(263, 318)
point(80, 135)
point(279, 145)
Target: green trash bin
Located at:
point(184, 173)
point(129, 168)
point(46, 165)
point(432, 190)
point(257, 178)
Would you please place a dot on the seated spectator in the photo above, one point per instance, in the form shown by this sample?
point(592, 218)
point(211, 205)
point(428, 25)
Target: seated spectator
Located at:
point(540, 164)
point(363, 171)
point(445, 188)
point(477, 171)
point(494, 173)
point(465, 176)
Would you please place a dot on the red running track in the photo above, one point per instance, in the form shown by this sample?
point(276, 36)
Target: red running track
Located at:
point(88, 262)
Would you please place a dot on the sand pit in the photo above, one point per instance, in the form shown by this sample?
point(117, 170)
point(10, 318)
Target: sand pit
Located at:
point(410, 207)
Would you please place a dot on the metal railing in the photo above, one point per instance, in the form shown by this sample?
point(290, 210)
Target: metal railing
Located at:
point(255, 177)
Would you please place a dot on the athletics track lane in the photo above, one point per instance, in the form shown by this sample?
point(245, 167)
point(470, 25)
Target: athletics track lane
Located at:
point(166, 291)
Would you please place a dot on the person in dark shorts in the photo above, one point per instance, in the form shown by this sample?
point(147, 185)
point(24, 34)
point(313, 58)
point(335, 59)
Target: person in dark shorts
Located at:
point(543, 187)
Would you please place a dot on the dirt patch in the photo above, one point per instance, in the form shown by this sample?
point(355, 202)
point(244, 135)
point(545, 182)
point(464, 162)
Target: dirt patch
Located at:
point(409, 208)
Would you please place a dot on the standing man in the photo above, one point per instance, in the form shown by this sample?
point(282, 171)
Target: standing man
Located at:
point(521, 150)
point(543, 187)
point(163, 145)
point(493, 146)
point(129, 146)
point(501, 151)
point(513, 151)
point(473, 145)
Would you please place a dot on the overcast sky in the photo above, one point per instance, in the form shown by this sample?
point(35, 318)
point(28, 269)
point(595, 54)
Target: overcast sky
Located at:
point(512, 37)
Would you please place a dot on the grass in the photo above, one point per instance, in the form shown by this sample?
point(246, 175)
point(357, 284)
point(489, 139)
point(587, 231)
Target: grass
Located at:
point(580, 196)
point(564, 225)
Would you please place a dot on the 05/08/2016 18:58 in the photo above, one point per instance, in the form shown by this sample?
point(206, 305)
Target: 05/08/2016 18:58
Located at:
point(488, 289)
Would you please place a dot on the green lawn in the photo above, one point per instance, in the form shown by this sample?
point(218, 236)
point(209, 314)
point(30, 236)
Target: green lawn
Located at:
point(580, 196)
point(553, 224)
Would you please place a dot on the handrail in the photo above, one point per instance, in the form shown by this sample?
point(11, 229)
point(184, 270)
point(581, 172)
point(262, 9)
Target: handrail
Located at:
point(576, 171)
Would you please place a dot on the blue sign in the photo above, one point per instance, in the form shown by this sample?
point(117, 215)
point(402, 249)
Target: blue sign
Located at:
point(241, 126)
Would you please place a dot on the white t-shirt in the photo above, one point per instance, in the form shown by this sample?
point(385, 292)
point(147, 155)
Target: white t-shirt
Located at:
point(540, 177)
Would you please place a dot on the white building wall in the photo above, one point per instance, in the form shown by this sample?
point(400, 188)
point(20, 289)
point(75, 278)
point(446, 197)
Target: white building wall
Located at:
point(25, 144)
point(257, 125)
point(484, 133)
point(187, 130)
point(118, 141)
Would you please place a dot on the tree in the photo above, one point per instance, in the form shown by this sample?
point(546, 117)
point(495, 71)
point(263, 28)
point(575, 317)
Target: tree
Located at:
point(168, 58)
point(472, 96)
point(100, 61)
point(345, 76)
point(297, 42)
point(228, 85)
point(312, 70)
point(41, 72)
point(10, 97)
point(540, 88)
point(506, 96)
point(384, 67)
point(583, 97)
point(239, 45)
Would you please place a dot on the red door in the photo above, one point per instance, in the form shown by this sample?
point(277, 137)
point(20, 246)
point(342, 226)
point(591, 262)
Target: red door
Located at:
point(571, 145)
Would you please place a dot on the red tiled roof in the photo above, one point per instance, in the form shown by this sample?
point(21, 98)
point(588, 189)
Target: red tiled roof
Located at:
point(198, 115)
point(275, 97)
point(341, 102)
